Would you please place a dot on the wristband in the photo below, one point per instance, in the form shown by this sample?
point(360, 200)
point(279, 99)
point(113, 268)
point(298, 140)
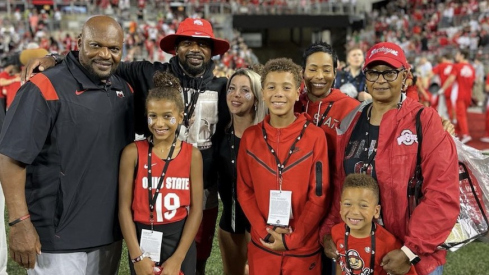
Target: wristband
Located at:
point(56, 57)
point(140, 258)
point(413, 258)
point(14, 222)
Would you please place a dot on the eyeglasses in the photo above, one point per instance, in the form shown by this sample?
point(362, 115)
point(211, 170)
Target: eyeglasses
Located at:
point(389, 75)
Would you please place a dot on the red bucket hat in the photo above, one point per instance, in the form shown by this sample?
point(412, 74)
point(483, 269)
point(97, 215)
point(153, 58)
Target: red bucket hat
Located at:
point(197, 28)
point(386, 52)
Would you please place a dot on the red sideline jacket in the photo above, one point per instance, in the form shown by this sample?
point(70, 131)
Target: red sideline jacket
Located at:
point(341, 106)
point(436, 214)
point(306, 174)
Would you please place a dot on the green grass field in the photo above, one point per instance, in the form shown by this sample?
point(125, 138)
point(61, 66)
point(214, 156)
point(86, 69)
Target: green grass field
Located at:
point(470, 260)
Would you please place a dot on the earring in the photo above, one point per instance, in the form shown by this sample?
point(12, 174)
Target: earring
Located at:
point(255, 107)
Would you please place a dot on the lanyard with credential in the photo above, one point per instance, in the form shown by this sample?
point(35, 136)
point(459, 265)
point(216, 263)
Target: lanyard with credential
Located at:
point(372, 252)
point(151, 198)
point(280, 165)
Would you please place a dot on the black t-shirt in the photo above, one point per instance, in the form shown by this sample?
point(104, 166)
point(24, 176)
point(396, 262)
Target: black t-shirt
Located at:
point(357, 153)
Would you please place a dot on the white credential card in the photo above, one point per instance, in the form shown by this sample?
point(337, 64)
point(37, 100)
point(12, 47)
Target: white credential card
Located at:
point(151, 243)
point(280, 207)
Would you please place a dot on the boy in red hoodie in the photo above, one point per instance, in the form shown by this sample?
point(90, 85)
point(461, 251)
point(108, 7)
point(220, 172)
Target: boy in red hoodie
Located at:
point(283, 179)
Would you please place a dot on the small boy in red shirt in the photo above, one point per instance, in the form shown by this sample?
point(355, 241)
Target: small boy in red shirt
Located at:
point(359, 240)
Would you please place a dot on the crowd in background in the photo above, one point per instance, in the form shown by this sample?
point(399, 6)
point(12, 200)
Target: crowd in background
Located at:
point(142, 36)
point(429, 28)
point(435, 28)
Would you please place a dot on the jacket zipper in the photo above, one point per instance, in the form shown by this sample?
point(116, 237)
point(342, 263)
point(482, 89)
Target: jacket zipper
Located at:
point(279, 177)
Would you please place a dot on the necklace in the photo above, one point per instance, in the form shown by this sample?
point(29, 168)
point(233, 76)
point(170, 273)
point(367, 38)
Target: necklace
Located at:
point(162, 150)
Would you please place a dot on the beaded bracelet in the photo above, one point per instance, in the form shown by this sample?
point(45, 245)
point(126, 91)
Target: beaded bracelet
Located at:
point(14, 222)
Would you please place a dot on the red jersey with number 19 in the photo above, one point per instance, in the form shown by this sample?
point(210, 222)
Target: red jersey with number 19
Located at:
point(174, 198)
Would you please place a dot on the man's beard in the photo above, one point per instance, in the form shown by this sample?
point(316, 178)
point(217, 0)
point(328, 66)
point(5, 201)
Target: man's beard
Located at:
point(192, 70)
point(101, 76)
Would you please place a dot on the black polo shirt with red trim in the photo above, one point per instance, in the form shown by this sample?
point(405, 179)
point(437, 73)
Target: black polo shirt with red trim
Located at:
point(70, 131)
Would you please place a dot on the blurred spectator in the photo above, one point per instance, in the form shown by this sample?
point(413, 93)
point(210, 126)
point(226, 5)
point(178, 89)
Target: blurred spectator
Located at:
point(57, 19)
point(447, 16)
point(8, 77)
point(353, 73)
point(443, 70)
point(486, 133)
point(423, 71)
point(478, 90)
point(17, 15)
point(25, 56)
point(463, 74)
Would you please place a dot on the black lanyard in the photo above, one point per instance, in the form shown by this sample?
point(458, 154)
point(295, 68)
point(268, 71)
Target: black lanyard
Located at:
point(189, 106)
point(320, 122)
point(280, 165)
point(372, 246)
point(151, 198)
point(232, 145)
point(370, 159)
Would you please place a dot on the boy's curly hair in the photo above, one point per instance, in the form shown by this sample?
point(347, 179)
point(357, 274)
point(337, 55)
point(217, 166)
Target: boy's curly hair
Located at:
point(282, 65)
point(362, 181)
point(167, 87)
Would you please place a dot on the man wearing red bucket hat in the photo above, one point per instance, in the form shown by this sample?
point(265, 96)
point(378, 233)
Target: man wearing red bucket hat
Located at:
point(205, 113)
point(197, 28)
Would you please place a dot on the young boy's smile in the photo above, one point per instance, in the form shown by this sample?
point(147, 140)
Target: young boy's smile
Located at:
point(280, 93)
point(358, 208)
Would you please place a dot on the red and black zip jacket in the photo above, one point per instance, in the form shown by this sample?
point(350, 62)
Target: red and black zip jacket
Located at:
point(306, 174)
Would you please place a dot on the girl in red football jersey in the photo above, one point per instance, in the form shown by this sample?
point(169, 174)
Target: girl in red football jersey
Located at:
point(160, 189)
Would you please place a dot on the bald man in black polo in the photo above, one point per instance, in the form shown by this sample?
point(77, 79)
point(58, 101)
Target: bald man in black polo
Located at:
point(59, 156)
